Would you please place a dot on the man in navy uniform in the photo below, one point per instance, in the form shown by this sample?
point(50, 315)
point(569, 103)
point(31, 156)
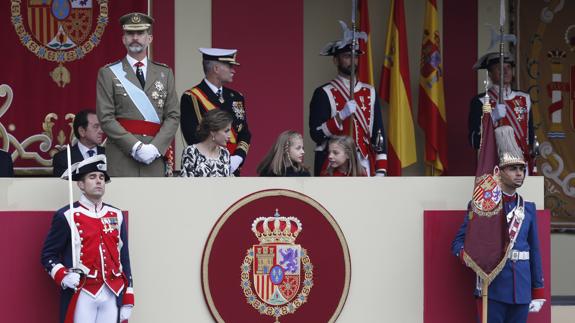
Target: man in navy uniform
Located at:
point(334, 113)
point(86, 252)
point(137, 106)
point(218, 65)
point(515, 110)
point(89, 134)
point(518, 289)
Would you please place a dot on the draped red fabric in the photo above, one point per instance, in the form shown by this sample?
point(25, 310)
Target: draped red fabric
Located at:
point(54, 49)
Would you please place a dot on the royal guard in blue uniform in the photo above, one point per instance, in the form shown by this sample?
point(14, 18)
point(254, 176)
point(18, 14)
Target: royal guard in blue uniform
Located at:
point(218, 65)
point(334, 112)
point(515, 111)
point(86, 252)
point(518, 288)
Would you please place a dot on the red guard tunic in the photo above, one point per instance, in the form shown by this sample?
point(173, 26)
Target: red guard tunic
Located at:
point(364, 127)
point(95, 242)
point(99, 250)
point(518, 116)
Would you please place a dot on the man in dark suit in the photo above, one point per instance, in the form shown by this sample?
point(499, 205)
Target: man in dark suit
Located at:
point(89, 134)
point(6, 167)
point(211, 94)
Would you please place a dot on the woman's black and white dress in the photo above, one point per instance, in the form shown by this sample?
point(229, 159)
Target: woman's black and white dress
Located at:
point(195, 164)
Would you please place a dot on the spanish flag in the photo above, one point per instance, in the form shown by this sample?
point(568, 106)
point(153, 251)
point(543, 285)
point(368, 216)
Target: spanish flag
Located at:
point(365, 63)
point(431, 116)
point(395, 89)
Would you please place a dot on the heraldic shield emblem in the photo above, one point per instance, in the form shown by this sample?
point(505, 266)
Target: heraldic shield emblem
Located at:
point(60, 30)
point(264, 235)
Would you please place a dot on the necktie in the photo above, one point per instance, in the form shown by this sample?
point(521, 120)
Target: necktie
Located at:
point(220, 96)
point(140, 73)
point(91, 153)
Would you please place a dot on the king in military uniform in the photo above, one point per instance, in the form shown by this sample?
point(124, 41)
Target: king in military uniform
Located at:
point(515, 110)
point(86, 251)
point(218, 65)
point(137, 106)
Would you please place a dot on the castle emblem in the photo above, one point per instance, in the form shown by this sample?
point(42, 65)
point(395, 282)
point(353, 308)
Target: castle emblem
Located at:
point(277, 274)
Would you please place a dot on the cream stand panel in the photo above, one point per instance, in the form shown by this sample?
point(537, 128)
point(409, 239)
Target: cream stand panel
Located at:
point(171, 218)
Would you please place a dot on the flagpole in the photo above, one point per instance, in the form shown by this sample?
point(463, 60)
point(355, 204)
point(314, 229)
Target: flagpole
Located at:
point(352, 76)
point(484, 301)
point(71, 201)
point(501, 49)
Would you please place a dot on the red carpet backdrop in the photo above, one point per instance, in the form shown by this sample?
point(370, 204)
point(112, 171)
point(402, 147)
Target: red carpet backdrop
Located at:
point(546, 69)
point(54, 49)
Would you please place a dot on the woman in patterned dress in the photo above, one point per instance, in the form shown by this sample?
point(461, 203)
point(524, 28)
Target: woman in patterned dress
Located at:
point(209, 157)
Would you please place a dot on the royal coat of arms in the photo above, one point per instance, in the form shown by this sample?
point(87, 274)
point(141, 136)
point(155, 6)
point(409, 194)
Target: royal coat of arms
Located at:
point(277, 274)
point(60, 30)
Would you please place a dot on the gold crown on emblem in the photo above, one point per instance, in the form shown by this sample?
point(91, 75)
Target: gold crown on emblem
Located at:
point(276, 229)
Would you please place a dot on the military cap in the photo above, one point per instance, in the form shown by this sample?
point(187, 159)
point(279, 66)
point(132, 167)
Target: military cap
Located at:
point(136, 21)
point(95, 163)
point(344, 45)
point(507, 147)
point(489, 59)
point(220, 55)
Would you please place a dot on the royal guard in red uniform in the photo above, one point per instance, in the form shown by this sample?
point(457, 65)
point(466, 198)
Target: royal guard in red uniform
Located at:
point(86, 252)
point(334, 112)
point(211, 94)
point(515, 111)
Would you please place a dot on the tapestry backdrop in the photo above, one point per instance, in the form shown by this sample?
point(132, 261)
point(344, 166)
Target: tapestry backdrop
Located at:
point(546, 69)
point(52, 52)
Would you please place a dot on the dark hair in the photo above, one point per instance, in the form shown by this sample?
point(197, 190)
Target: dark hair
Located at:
point(81, 120)
point(213, 120)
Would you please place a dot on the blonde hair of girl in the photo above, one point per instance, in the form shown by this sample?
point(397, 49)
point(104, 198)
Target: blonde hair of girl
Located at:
point(350, 150)
point(277, 160)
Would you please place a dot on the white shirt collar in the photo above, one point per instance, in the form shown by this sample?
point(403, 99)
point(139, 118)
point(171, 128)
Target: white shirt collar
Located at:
point(90, 205)
point(133, 61)
point(84, 150)
point(213, 87)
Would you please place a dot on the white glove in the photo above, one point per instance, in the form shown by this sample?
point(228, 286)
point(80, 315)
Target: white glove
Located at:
point(125, 312)
point(380, 174)
point(348, 109)
point(235, 162)
point(135, 151)
point(148, 153)
point(71, 280)
point(499, 112)
point(536, 305)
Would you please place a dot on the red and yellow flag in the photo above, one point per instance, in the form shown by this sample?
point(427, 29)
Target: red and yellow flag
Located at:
point(431, 116)
point(395, 89)
point(365, 63)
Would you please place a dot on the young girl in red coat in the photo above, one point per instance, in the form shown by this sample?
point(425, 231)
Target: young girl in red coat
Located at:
point(342, 158)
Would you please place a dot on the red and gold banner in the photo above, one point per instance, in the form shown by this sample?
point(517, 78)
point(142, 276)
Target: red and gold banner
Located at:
point(53, 50)
point(431, 113)
point(395, 89)
point(365, 63)
point(546, 70)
